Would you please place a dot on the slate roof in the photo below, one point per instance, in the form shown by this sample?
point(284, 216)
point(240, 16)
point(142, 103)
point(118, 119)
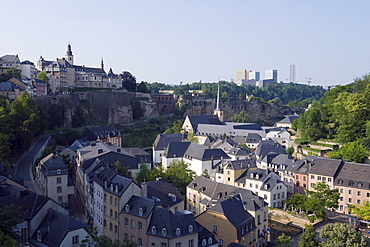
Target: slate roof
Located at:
point(253, 138)
point(136, 202)
point(121, 182)
point(164, 219)
point(135, 151)
point(9, 58)
point(325, 167)
point(164, 193)
point(205, 234)
point(107, 153)
point(176, 149)
point(29, 202)
point(240, 164)
point(100, 132)
point(203, 153)
point(233, 209)
point(162, 140)
point(195, 120)
point(267, 146)
point(55, 227)
point(51, 164)
point(7, 86)
point(216, 191)
point(354, 175)
point(287, 120)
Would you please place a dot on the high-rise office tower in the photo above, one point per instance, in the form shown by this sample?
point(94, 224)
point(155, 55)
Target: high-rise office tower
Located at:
point(292, 73)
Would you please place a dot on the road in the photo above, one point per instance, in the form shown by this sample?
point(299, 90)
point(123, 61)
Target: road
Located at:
point(23, 167)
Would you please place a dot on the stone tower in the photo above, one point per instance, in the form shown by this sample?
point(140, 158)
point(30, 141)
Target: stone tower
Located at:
point(218, 111)
point(69, 55)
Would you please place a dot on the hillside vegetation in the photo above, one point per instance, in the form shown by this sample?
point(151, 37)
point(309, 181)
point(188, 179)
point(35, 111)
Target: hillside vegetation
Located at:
point(344, 116)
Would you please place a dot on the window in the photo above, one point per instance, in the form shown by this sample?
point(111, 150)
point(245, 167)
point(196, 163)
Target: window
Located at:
point(75, 240)
point(341, 190)
point(110, 227)
point(59, 180)
point(154, 229)
point(164, 231)
point(250, 185)
point(349, 200)
point(111, 213)
point(274, 196)
point(115, 229)
point(358, 201)
point(132, 224)
point(60, 198)
point(214, 228)
point(105, 224)
point(209, 240)
point(111, 200)
point(319, 178)
point(350, 192)
point(324, 179)
point(221, 242)
point(140, 211)
point(105, 210)
point(105, 197)
point(115, 202)
point(304, 178)
point(178, 244)
point(259, 219)
point(265, 196)
point(140, 226)
point(178, 231)
point(59, 189)
point(191, 243)
point(329, 180)
point(341, 199)
point(367, 194)
point(296, 176)
point(116, 215)
point(359, 193)
point(190, 228)
point(126, 222)
point(312, 176)
point(163, 244)
point(140, 242)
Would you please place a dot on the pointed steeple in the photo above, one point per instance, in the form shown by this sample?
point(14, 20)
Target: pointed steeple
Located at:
point(218, 112)
point(69, 50)
point(69, 55)
point(102, 64)
point(218, 97)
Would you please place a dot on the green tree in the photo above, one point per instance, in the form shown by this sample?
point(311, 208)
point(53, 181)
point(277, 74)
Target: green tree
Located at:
point(192, 138)
point(312, 123)
point(128, 81)
point(93, 240)
point(242, 117)
point(340, 234)
point(10, 216)
point(225, 95)
point(308, 237)
point(143, 88)
point(14, 72)
point(284, 241)
point(6, 240)
point(290, 151)
point(43, 77)
point(176, 127)
point(361, 211)
point(144, 175)
point(120, 169)
point(179, 175)
point(205, 174)
point(351, 151)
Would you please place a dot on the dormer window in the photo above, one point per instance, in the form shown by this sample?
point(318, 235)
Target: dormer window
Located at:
point(127, 208)
point(257, 176)
point(111, 187)
point(154, 229)
point(266, 186)
point(190, 228)
point(116, 190)
point(39, 236)
point(164, 231)
point(59, 171)
point(359, 185)
point(251, 175)
point(178, 231)
point(209, 240)
point(140, 211)
point(204, 242)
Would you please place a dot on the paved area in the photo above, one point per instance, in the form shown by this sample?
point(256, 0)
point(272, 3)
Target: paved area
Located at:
point(75, 208)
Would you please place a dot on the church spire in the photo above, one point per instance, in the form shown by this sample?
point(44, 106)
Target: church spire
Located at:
point(69, 55)
point(102, 64)
point(218, 97)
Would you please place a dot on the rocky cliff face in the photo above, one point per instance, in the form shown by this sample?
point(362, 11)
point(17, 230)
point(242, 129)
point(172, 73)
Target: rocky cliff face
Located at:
point(108, 107)
point(257, 110)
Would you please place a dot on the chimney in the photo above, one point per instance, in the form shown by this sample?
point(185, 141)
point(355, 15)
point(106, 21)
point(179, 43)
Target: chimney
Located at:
point(144, 190)
point(118, 150)
point(100, 150)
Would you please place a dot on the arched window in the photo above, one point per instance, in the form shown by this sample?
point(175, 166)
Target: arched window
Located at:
point(178, 231)
point(140, 211)
point(154, 229)
point(204, 242)
point(164, 231)
point(127, 208)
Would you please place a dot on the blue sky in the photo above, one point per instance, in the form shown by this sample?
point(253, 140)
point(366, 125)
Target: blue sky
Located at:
point(186, 41)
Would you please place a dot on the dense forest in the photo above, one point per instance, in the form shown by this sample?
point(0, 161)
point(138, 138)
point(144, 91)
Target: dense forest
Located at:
point(344, 116)
point(292, 94)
